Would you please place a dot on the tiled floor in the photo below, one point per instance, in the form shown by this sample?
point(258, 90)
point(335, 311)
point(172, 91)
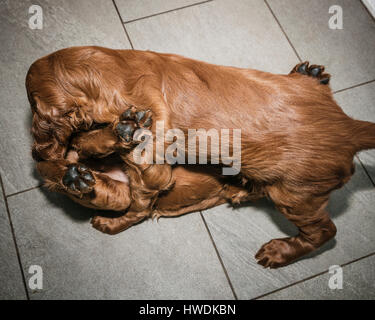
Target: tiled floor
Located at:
point(206, 255)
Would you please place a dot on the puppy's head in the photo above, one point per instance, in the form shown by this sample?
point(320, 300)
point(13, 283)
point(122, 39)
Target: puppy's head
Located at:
point(68, 91)
point(50, 128)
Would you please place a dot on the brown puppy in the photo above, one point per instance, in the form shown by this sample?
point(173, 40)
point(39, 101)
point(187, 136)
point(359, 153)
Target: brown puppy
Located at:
point(195, 187)
point(297, 144)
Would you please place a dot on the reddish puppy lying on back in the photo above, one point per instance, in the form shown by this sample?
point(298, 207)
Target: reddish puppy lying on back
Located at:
point(297, 144)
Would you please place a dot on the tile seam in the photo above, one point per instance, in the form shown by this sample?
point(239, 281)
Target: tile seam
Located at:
point(283, 31)
point(311, 277)
point(167, 11)
point(219, 257)
point(14, 239)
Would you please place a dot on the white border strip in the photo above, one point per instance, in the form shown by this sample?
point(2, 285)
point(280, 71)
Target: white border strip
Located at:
point(370, 5)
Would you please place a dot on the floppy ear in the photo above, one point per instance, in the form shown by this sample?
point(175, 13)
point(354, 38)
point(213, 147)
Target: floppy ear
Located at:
point(50, 132)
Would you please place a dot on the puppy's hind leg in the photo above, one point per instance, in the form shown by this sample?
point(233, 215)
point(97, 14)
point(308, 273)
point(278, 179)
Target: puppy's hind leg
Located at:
point(64, 176)
point(107, 194)
point(314, 225)
point(111, 189)
point(116, 225)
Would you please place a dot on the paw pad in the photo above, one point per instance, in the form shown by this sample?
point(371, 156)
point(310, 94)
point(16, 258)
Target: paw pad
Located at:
point(78, 179)
point(314, 71)
point(132, 120)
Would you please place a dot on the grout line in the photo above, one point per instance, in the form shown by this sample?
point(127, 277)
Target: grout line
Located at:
point(365, 169)
point(127, 35)
point(358, 259)
point(355, 86)
point(123, 25)
point(160, 13)
point(312, 277)
point(14, 238)
point(289, 285)
point(18, 192)
point(282, 29)
point(219, 257)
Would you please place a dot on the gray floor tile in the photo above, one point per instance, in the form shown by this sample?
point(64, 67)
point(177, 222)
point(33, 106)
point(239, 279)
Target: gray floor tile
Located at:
point(66, 23)
point(11, 283)
point(238, 33)
point(358, 283)
point(239, 234)
point(172, 259)
point(348, 54)
point(359, 103)
point(134, 9)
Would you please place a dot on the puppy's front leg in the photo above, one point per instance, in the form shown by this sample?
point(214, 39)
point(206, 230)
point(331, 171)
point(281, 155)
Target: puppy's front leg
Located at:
point(108, 193)
point(146, 180)
point(96, 143)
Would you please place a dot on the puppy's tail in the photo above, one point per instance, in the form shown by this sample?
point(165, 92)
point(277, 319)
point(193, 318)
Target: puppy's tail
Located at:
point(363, 135)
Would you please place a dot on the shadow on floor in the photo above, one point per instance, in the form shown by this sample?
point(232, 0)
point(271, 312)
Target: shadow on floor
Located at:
point(339, 203)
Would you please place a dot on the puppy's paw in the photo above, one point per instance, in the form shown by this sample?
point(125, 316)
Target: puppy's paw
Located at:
point(78, 179)
point(107, 225)
point(130, 121)
point(314, 71)
point(276, 253)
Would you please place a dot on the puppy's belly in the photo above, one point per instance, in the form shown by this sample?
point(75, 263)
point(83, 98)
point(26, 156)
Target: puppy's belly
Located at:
point(110, 166)
point(117, 174)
